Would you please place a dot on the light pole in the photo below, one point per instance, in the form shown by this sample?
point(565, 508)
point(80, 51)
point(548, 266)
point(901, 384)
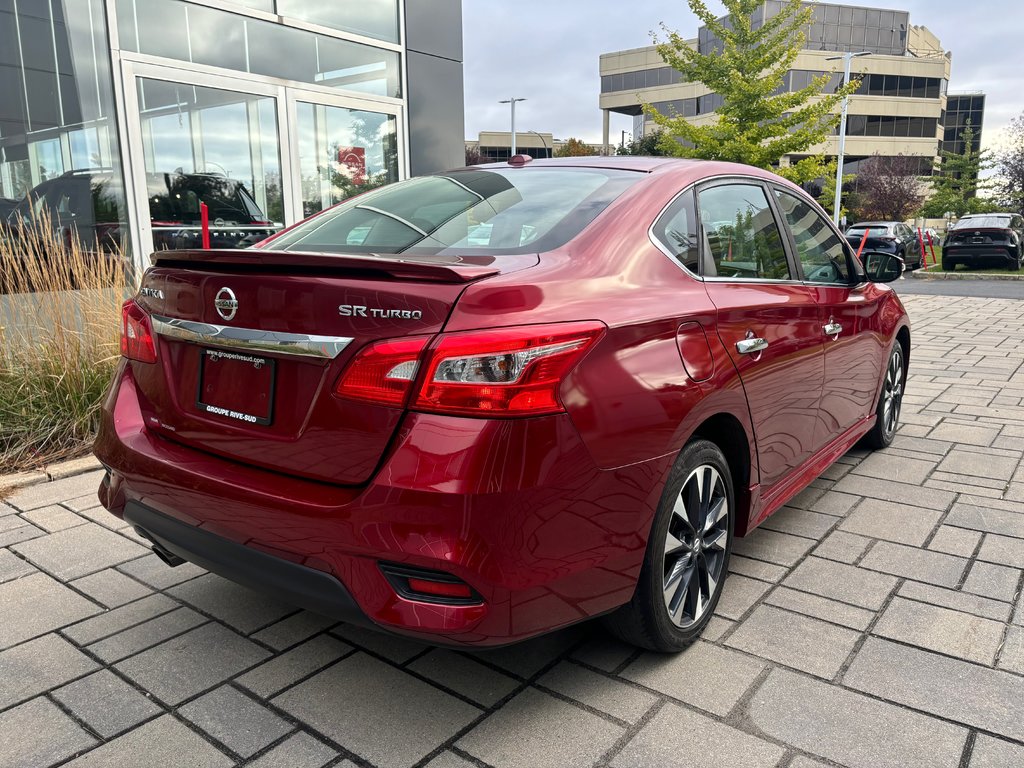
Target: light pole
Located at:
point(847, 58)
point(512, 103)
point(542, 141)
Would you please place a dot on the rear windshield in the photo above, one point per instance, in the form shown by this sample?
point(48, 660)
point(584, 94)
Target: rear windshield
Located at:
point(521, 210)
point(974, 222)
point(877, 229)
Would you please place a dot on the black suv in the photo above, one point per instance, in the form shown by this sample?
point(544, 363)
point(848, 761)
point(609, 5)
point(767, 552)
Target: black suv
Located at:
point(985, 238)
point(889, 236)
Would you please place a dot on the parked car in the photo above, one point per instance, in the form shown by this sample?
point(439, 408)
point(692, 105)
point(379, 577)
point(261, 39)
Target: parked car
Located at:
point(889, 236)
point(481, 405)
point(6, 206)
point(985, 238)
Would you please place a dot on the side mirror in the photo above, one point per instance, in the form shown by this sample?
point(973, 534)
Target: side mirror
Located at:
point(882, 267)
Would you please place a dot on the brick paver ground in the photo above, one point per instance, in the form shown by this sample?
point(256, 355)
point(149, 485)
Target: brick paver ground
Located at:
point(877, 621)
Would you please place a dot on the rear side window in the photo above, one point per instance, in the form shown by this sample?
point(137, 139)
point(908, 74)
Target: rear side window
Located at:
point(741, 234)
point(525, 210)
point(676, 230)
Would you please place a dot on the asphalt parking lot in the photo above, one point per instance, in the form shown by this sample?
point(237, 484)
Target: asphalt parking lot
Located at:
point(876, 621)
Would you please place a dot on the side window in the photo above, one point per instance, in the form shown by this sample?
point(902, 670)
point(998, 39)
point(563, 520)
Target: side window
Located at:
point(676, 229)
point(818, 248)
point(741, 238)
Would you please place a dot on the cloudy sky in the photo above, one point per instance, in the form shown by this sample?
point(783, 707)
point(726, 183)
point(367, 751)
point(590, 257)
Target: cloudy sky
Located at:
point(547, 51)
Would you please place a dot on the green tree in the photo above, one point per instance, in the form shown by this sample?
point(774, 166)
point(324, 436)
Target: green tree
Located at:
point(759, 121)
point(1010, 167)
point(649, 145)
point(956, 180)
point(848, 200)
point(575, 148)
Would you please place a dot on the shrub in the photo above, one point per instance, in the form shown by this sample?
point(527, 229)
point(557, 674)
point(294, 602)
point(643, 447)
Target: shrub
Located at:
point(59, 336)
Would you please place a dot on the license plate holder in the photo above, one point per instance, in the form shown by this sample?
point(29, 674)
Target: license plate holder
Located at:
point(236, 386)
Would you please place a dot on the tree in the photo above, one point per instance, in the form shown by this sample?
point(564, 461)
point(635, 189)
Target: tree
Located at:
point(575, 148)
point(649, 145)
point(1010, 167)
point(889, 188)
point(475, 157)
point(827, 195)
point(759, 121)
point(956, 180)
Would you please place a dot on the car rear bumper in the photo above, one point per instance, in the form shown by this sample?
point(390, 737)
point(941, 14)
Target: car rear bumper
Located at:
point(965, 254)
point(517, 509)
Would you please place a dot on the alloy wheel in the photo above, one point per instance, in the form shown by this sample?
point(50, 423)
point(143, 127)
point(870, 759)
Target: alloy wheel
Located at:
point(695, 546)
point(892, 391)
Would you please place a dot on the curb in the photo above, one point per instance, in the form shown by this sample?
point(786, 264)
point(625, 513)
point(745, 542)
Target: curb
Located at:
point(59, 471)
point(924, 274)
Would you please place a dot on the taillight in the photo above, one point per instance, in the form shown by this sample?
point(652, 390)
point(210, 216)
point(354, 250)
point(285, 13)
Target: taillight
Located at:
point(503, 371)
point(137, 341)
point(383, 372)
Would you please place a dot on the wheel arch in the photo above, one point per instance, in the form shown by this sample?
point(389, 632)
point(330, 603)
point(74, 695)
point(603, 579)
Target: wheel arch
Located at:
point(728, 433)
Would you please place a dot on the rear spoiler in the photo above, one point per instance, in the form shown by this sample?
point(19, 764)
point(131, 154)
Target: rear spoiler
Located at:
point(431, 268)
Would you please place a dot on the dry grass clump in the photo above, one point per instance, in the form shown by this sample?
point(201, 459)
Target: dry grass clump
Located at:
point(60, 315)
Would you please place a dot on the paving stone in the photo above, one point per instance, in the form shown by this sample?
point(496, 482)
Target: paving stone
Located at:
point(298, 751)
point(39, 665)
point(756, 569)
point(76, 552)
point(1011, 657)
point(995, 753)
point(957, 432)
point(530, 657)
point(884, 466)
point(465, 675)
point(106, 702)
point(851, 729)
point(36, 604)
point(37, 733)
point(988, 699)
point(156, 573)
point(958, 601)
point(941, 629)
point(842, 546)
point(618, 699)
point(724, 675)
point(955, 541)
point(1003, 550)
point(739, 593)
point(605, 653)
point(799, 522)
point(920, 444)
point(838, 581)
point(795, 640)
point(160, 742)
point(833, 503)
point(778, 548)
point(913, 563)
point(450, 760)
point(979, 464)
point(679, 738)
point(18, 531)
point(821, 608)
point(118, 619)
point(293, 629)
point(72, 467)
point(391, 647)
point(716, 628)
point(537, 729)
point(900, 493)
point(12, 566)
point(805, 762)
point(147, 634)
point(180, 668)
point(286, 668)
point(110, 587)
point(350, 701)
point(236, 721)
point(44, 494)
point(53, 518)
point(884, 520)
point(996, 581)
point(233, 604)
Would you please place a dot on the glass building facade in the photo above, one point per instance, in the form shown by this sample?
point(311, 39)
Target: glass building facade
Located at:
point(118, 118)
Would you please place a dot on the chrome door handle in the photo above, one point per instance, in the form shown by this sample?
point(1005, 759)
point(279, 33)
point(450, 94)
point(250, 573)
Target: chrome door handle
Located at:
point(832, 328)
point(749, 346)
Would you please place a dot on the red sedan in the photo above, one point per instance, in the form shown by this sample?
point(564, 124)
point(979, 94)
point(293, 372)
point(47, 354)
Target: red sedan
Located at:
point(482, 405)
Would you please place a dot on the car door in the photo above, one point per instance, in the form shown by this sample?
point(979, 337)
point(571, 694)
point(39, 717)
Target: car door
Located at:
point(767, 319)
point(847, 307)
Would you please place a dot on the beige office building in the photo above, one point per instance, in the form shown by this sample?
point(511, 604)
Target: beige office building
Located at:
point(900, 108)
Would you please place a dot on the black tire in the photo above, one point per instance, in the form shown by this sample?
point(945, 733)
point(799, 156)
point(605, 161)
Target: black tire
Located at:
point(948, 265)
point(648, 620)
point(890, 400)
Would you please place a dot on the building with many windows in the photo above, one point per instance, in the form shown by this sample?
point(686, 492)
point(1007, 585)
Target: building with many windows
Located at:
point(901, 107)
point(121, 116)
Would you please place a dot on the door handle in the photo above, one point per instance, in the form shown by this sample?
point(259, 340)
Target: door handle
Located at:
point(749, 346)
point(832, 328)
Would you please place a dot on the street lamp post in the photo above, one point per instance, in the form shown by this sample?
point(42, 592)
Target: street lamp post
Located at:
point(547, 151)
point(512, 103)
point(847, 58)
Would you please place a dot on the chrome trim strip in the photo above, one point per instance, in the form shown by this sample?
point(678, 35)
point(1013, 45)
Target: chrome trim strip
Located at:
point(252, 339)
